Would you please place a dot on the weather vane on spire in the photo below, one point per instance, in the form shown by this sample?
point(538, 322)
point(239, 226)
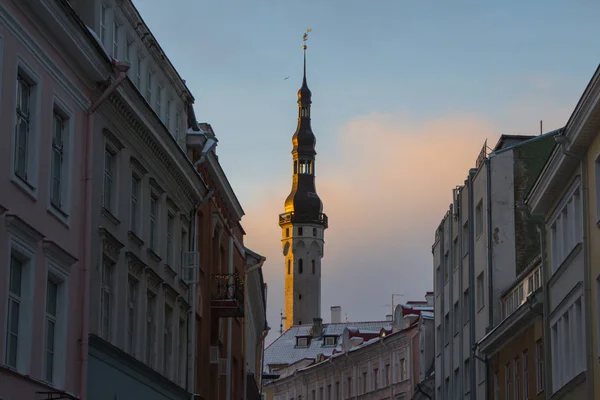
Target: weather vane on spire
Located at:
point(305, 38)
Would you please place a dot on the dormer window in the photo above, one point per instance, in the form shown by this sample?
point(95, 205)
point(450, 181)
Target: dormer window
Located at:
point(301, 342)
point(330, 341)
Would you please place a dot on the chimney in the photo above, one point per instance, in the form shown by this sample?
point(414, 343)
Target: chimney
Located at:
point(429, 298)
point(317, 329)
point(336, 314)
point(389, 317)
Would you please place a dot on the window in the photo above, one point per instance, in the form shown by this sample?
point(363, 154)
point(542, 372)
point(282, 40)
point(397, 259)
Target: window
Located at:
point(109, 175)
point(128, 46)
point(516, 371)
point(177, 124)
point(103, 14)
point(566, 228)
point(150, 327)
point(457, 384)
point(330, 340)
point(465, 306)
point(568, 341)
point(387, 375)
point(539, 365)
point(149, 79)
point(289, 266)
point(115, 46)
point(135, 191)
point(315, 232)
point(23, 156)
point(467, 377)
point(465, 239)
point(301, 341)
point(479, 219)
point(182, 350)
point(480, 292)
point(184, 245)
point(51, 308)
point(338, 394)
point(312, 267)
point(446, 267)
point(138, 73)
point(507, 382)
point(153, 216)
point(106, 289)
point(132, 294)
point(329, 397)
point(403, 372)
point(364, 382)
point(159, 90)
point(440, 338)
point(168, 340)
point(170, 239)
point(168, 114)
point(59, 134)
point(456, 253)
point(287, 232)
point(349, 386)
point(320, 393)
point(525, 375)
point(438, 278)
point(456, 319)
point(15, 292)
point(300, 231)
point(375, 378)
point(447, 387)
point(447, 332)
point(300, 266)
point(496, 387)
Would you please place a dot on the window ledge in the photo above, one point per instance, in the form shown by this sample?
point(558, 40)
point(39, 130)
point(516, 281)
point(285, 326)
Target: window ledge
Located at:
point(111, 217)
point(153, 255)
point(28, 189)
point(60, 215)
point(183, 285)
point(135, 238)
point(170, 270)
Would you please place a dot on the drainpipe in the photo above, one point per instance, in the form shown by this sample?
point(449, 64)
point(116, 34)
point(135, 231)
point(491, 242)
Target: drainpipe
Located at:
point(587, 290)
point(86, 222)
point(488, 163)
point(472, 295)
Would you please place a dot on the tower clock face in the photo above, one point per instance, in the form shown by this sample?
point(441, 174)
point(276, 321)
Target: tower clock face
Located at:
point(286, 248)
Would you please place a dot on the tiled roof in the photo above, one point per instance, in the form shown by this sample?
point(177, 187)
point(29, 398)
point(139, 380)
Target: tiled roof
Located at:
point(283, 350)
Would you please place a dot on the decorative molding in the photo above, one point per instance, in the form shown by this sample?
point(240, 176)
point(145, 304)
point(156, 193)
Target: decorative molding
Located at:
point(136, 266)
point(183, 304)
point(56, 253)
point(137, 166)
point(156, 186)
point(155, 148)
point(153, 280)
point(135, 238)
point(155, 257)
point(170, 294)
point(110, 217)
point(111, 246)
point(16, 225)
point(183, 286)
point(170, 271)
point(172, 206)
point(112, 139)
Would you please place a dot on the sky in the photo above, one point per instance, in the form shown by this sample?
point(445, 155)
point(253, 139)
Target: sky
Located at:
point(404, 95)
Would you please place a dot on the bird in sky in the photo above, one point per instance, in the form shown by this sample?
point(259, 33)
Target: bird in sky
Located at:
point(285, 79)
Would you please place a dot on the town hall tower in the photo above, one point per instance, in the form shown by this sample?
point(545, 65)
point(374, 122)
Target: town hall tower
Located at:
point(303, 223)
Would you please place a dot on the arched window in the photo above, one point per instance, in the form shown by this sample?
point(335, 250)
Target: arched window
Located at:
point(312, 266)
point(299, 297)
point(300, 266)
point(287, 232)
point(289, 266)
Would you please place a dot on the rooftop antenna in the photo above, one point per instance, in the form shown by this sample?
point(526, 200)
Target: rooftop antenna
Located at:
point(281, 322)
point(305, 38)
point(394, 295)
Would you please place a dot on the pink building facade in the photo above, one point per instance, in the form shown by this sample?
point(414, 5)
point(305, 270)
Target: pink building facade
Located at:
point(45, 88)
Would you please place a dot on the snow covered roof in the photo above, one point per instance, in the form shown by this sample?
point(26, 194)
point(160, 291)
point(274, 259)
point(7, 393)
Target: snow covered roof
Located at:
point(283, 351)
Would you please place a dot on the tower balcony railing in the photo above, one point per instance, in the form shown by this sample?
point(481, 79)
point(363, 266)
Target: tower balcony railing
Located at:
point(289, 217)
point(228, 295)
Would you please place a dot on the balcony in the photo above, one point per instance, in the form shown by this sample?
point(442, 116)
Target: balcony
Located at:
point(289, 217)
point(228, 296)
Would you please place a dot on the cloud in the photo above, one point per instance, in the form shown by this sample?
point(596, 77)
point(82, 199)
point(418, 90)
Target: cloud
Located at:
point(385, 192)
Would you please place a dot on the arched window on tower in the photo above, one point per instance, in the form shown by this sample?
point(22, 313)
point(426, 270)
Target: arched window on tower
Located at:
point(312, 266)
point(289, 266)
point(300, 266)
point(295, 166)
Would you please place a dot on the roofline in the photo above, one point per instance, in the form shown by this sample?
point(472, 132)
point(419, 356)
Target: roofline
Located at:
point(526, 142)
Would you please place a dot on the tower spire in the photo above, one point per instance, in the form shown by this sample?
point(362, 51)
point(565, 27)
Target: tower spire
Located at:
point(304, 47)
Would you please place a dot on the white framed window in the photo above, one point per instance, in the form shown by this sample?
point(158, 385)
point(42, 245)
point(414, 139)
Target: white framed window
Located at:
point(138, 72)
point(525, 362)
point(301, 342)
point(106, 299)
point(103, 22)
point(159, 93)
point(168, 340)
point(567, 339)
point(150, 327)
point(135, 206)
point(24, 167)
point(153, 220)
point(168, 113)
point(110, 167)
point(60, 170)
point(480, 291)
point(182, 351)
point(116, 39)
point(479, 219)
point(149, 80)
point(539, 365)
point(170, 222)
point(132, 312)
point(19, 294)
point(566, 226)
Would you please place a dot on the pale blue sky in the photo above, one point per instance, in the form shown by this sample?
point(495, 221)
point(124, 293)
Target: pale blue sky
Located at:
point(398, 64)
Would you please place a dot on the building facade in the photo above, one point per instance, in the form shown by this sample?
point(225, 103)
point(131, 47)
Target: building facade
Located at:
point(43, 125)
point(303, 224)
point(480, 247)
point(374, 360)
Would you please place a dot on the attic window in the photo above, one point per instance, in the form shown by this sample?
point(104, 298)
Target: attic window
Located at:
point(330, 340)
point(301, 342)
